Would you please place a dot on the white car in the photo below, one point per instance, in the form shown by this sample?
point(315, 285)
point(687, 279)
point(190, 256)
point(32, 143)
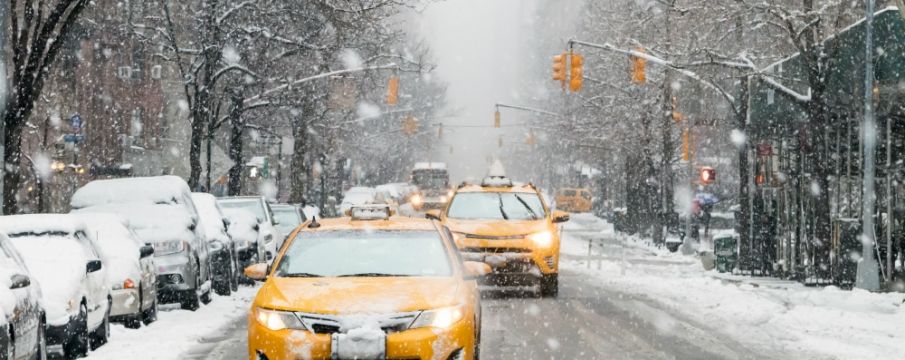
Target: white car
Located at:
point(161, 210)
point(272, 236)
point(356, 196)
point(130, 268)
point(20, 301)
point(223, 252)
point(61, 255)
point(245, 232)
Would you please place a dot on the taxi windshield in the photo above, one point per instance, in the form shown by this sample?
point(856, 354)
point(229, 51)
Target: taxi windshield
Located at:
point(365, 253)
point(496, 206)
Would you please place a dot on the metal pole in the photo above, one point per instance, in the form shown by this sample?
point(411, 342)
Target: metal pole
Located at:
point(868, 268)
point(5, 12)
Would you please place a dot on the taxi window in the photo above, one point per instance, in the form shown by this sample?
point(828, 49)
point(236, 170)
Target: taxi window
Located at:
point(365, 253)
point(568, 193)
point(496, 206)
point(586, 195)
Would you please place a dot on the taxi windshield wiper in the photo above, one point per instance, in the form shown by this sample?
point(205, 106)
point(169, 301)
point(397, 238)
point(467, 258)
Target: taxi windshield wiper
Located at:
point(525, 204)
point(371, 275)
point(503, 212)
point(300, 275)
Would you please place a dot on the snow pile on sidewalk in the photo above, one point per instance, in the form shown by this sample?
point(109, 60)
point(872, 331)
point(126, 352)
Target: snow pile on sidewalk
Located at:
point(175, 331)
point(762, 312)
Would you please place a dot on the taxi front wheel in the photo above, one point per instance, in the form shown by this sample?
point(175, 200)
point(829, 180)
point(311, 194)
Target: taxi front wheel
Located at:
point(549, 286)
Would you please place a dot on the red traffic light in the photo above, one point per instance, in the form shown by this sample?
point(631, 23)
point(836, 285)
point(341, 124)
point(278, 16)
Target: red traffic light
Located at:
point(708, 175)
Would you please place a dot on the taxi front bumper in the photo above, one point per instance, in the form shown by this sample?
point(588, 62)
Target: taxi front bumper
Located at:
point(457, 342)
point(513, 259)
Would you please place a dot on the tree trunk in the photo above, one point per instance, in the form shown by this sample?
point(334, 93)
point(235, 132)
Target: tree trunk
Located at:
point(300, 172)
point(12, 160)
point(744, 191)
point(236, 127)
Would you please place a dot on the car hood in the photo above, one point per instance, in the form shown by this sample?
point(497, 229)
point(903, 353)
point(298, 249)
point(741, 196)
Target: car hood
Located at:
point(494, 228)
point(342, 296)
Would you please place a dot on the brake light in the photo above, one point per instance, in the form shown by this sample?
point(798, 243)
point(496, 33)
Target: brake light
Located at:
point(128, 284)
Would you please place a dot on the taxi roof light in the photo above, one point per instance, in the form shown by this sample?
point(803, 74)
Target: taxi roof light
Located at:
point(497, 181)
point(371, 212)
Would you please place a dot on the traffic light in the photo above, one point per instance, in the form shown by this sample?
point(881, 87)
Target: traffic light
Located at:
point(559, 68)
point(531, 140)
point(577, 73)
point(496, 119)
point(393, 91)
point(440, 132)
point(677, 116)
point(708, 175)
point(639, 65)
point(410, 125)
point(686, 145)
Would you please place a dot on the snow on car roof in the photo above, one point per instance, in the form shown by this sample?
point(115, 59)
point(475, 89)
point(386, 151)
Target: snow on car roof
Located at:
point(160, 189)
point(210, 215)
point(154, 222)
point(430, 166)
point(41, 223)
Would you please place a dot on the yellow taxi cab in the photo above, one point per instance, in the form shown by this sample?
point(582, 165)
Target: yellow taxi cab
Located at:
point(574, 200)
point(511, 228)
point(368, 286)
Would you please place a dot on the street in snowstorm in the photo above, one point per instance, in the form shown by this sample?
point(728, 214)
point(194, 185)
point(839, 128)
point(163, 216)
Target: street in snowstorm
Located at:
point(452, 179)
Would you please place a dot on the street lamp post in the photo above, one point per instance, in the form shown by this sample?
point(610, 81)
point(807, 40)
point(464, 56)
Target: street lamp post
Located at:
point(868, 277)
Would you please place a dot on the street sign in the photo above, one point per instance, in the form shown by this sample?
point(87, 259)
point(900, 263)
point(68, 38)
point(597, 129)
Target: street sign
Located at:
point(76, 123)
point(73, 138)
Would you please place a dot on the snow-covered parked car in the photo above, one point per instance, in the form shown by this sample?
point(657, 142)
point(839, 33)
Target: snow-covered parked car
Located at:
point(62, 256)
point(288, 217)
point(356, 196)
point(272, 236)
point(161, 211)
point(222, 249)
point(20, 303)
point(245, 232)
point(130, 266)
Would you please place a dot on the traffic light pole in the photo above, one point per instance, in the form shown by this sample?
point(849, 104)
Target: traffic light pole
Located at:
point(868, 277)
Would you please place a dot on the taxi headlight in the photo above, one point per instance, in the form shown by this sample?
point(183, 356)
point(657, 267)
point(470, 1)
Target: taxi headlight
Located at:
point(443, 199)
point(278, 320)
point(542, 239)
point(416, 199)
point(450, 193)
point(439, 318)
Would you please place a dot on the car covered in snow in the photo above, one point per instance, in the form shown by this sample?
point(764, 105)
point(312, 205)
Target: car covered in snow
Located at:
point(510, 227)
point(161, 211)
point(370, 286)
point(223, 253)
point(245, 232)
point(271, 235)
point(23, 321)
point(61, 254)
point(288, 217)
point(358, 195)
point(130, 267)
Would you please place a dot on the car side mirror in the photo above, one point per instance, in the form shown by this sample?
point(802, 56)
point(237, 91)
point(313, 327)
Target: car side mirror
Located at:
point(475, 270)
point(93, 266)
point(432, 214)
point(256, 272)
point(146, 251)
point(19, 281)
point(560, 217)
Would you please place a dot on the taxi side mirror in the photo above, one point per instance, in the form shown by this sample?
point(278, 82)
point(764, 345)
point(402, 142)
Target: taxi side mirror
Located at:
point(560, 217)
point(475, 270)
point(256, 272)
point(432, 214)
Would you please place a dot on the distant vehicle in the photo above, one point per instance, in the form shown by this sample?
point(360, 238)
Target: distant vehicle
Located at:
point(21, 306)
point(62, 256)
point(245, 231)
point(369, 286)
point(258, 206)
point(161, 211)
point(576, 200)
point(223, 253)
point(130, 267)
point(288, 217)
point(432, 180)
point(358, 195)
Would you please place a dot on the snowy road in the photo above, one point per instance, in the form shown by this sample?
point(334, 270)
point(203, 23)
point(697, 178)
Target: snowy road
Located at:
point(626, 301)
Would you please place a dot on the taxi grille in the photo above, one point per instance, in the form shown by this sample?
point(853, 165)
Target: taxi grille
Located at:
point(326, 324)
point(487, 237)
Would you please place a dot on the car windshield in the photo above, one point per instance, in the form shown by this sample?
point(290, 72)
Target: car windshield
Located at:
point(496, 206)
point(365, 253)
point(287, 217)
point(251, 205)
point(430, 179)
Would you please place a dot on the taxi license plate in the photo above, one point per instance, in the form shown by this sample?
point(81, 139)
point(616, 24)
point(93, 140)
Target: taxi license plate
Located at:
point(369, 347)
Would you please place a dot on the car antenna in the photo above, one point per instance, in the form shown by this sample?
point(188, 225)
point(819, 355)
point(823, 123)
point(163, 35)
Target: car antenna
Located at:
point(314, 224)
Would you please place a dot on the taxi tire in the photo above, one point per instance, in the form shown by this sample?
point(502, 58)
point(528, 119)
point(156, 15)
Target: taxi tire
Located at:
point(549, 286)
point(477, 340)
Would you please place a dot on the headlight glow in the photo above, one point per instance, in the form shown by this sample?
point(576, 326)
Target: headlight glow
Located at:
point(278, 320)
point(450, 193)
point(416, 199)
point(443, 199)
point(440, 318)
point(542, 239)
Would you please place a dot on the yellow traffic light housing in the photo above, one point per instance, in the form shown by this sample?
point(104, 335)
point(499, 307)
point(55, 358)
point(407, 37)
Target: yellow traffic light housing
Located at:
point(577, 73)
point(393, 90)
point(410, 125)
point(496, 119)
point(559, 68)
point(639, 65)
